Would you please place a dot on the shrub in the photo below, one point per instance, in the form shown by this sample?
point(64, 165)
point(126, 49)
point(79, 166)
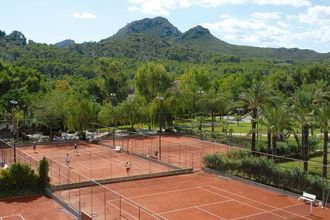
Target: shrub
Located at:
point(43, 172)
point(19, 179)
point(265, 170)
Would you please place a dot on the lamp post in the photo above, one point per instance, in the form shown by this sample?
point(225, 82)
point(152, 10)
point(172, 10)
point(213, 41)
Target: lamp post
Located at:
point(113, 99)
point(14, 103)
point(160, 99)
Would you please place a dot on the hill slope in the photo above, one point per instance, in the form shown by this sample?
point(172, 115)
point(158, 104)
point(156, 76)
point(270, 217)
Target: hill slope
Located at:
point(157, 38)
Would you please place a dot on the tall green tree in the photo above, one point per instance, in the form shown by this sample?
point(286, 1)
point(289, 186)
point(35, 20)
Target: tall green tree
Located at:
point(115, 81)
point(304, 102)
point(151, 80)
point(253, 99)
point(323, 119)
point(193, 84)
point(213, 102)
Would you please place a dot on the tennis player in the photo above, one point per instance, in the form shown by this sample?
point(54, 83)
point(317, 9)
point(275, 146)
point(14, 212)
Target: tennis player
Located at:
point(34, 146)
point(75, 149)
point(68, 160)
point(127, 167)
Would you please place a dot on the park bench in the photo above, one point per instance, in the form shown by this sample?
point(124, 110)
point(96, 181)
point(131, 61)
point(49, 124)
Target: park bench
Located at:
point(309, 198)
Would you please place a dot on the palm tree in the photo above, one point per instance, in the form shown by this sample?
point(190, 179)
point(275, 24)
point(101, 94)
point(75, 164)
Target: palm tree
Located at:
point(254, 98)
point(266, 119)
point(213, 101)
point(277, 119)
point(323, 118)
point(306, 100)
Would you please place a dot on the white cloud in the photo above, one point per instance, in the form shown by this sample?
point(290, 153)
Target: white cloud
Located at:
point(317, 15)
point(266, 15)
point(162, 7)
point(157, 7)
point(84, 15)
point(258, 29)
point(293, 3)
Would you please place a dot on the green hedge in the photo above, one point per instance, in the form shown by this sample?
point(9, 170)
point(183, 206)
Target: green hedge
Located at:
point(20, 179)
point(264, 170)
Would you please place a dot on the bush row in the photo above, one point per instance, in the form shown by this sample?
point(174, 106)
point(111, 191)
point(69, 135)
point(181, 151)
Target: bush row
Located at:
point(264, 170)
point(20, 179)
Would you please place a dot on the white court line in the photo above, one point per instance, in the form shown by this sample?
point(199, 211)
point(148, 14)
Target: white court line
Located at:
point(256, 201)
point(164, 192)
point(241, 202)
point(120, 210)
point(210, 213)
point(10, 216)
point(21, 216)
point(270, 211)
point(190, 207)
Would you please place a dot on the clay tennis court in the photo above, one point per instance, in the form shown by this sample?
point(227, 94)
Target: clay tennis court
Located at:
point(92, 161)
point(31, 208)
point(177, 150)
point(195, 196)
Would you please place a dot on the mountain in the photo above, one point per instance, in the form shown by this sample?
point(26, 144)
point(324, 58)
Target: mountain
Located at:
point(157, 26)
point(156, 38)
point(65, 43)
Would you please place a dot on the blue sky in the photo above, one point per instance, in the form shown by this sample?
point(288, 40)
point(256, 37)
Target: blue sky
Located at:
point(265, 23)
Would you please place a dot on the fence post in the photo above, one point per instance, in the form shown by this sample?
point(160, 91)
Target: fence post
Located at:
point(179, 155)
point(79, 196)
point(119, 206)
point(105, 204)
point(139, 212)
point(69, 181)
point(90, 164)
point(59, 174)
point(92, 201)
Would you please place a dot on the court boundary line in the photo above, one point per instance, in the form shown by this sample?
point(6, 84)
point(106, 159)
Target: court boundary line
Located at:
point(273, 210)
point(255, 201)
point(263, 211)
point(15, 215)
point(190, 207)
point(121, 210)
point(246, 204)
point(210, 213)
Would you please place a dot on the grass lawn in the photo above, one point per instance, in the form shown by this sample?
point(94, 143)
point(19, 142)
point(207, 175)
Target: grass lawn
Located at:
point(314, 165)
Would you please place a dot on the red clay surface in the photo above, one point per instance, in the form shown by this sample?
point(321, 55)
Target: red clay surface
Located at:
point(32, 208)
point(92, 161)
point(179, 151)
point(192, 196)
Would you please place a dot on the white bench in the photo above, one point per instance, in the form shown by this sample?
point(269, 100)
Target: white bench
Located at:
point(118, 149)
point(309, 198)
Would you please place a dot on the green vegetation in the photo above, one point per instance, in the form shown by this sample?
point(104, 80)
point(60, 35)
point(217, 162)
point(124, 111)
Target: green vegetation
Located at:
point(150, 74)
point(20, 179)
point(265, 170)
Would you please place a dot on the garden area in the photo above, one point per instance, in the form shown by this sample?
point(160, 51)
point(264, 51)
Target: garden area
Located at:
point(20, 179)
point(269, 171)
